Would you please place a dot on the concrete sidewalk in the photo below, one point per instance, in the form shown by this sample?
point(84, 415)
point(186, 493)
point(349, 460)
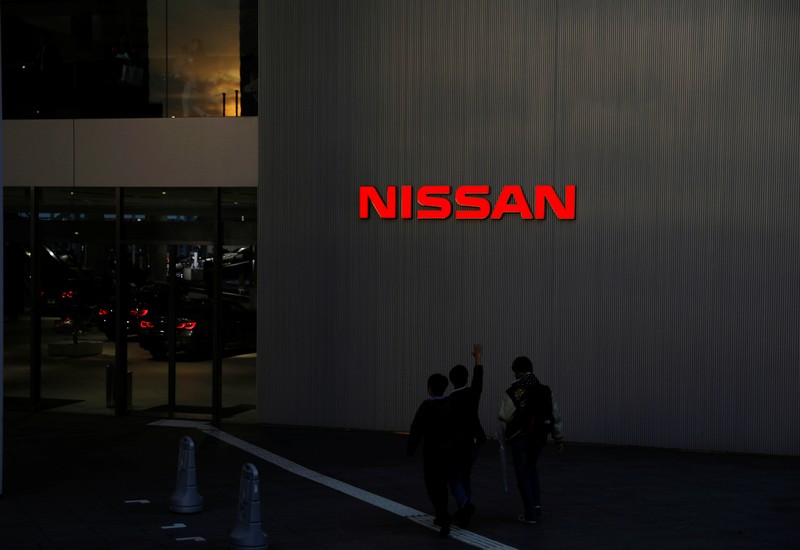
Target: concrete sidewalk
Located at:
point(76, 481)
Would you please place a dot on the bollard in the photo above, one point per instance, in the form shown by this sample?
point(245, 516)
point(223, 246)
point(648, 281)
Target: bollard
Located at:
point(247, 535)
point(110, 370)
point(186, 499)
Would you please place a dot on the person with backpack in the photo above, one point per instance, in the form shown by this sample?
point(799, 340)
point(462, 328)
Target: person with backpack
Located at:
point(531, 415)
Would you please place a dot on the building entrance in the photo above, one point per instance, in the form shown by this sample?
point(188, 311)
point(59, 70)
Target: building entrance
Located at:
point(124, 304)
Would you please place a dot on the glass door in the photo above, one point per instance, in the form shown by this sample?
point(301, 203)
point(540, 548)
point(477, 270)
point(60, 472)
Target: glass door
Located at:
point(85, 294)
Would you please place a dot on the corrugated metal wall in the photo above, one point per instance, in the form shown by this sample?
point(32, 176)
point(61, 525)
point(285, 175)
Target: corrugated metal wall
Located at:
point(665, 315)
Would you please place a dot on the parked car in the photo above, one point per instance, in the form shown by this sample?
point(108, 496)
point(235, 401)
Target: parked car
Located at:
point(194, 329)
point(107, 319)
point(150, 299)
point(63, 286)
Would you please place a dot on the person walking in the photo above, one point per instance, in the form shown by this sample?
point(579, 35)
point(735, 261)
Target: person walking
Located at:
point(469, 436)
point(432, 426)
point(530, 413)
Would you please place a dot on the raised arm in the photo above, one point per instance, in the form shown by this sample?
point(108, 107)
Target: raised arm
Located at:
point(477, 373)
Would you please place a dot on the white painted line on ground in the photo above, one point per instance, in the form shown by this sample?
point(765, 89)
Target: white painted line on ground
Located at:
point(141, 501)
point(462, 535)
point(194, 424)
point(190, 539)
point(174, 526)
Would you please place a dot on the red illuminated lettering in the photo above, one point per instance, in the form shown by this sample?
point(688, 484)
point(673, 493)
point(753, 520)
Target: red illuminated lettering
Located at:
point(519, 206)
point(406, 202)
point(472, 202)
point(369, 195)
point(440, 207)
point(465, 196)
point(563, 210)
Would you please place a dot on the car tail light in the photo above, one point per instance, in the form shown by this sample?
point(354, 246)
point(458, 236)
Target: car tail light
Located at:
point(67, 295)
point(138, 312)
point(102, 312)
point(145, 324)
point(186, 325)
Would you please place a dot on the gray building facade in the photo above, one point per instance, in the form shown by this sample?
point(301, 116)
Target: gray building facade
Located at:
point(665, 314)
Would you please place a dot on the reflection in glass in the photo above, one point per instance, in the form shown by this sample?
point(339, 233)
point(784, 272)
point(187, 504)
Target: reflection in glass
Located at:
point(129, 58)
point(204, 69)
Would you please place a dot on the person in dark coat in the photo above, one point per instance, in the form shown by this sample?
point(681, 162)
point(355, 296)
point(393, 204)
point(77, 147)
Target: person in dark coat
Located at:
point(432, 428)
point(469, 435)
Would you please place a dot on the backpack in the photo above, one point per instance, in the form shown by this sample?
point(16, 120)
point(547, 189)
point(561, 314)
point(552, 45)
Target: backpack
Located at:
point(540, 403)
point(534, 414)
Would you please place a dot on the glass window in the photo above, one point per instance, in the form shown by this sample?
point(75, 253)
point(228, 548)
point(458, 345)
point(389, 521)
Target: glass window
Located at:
point(167, 254)
point(129, 58)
